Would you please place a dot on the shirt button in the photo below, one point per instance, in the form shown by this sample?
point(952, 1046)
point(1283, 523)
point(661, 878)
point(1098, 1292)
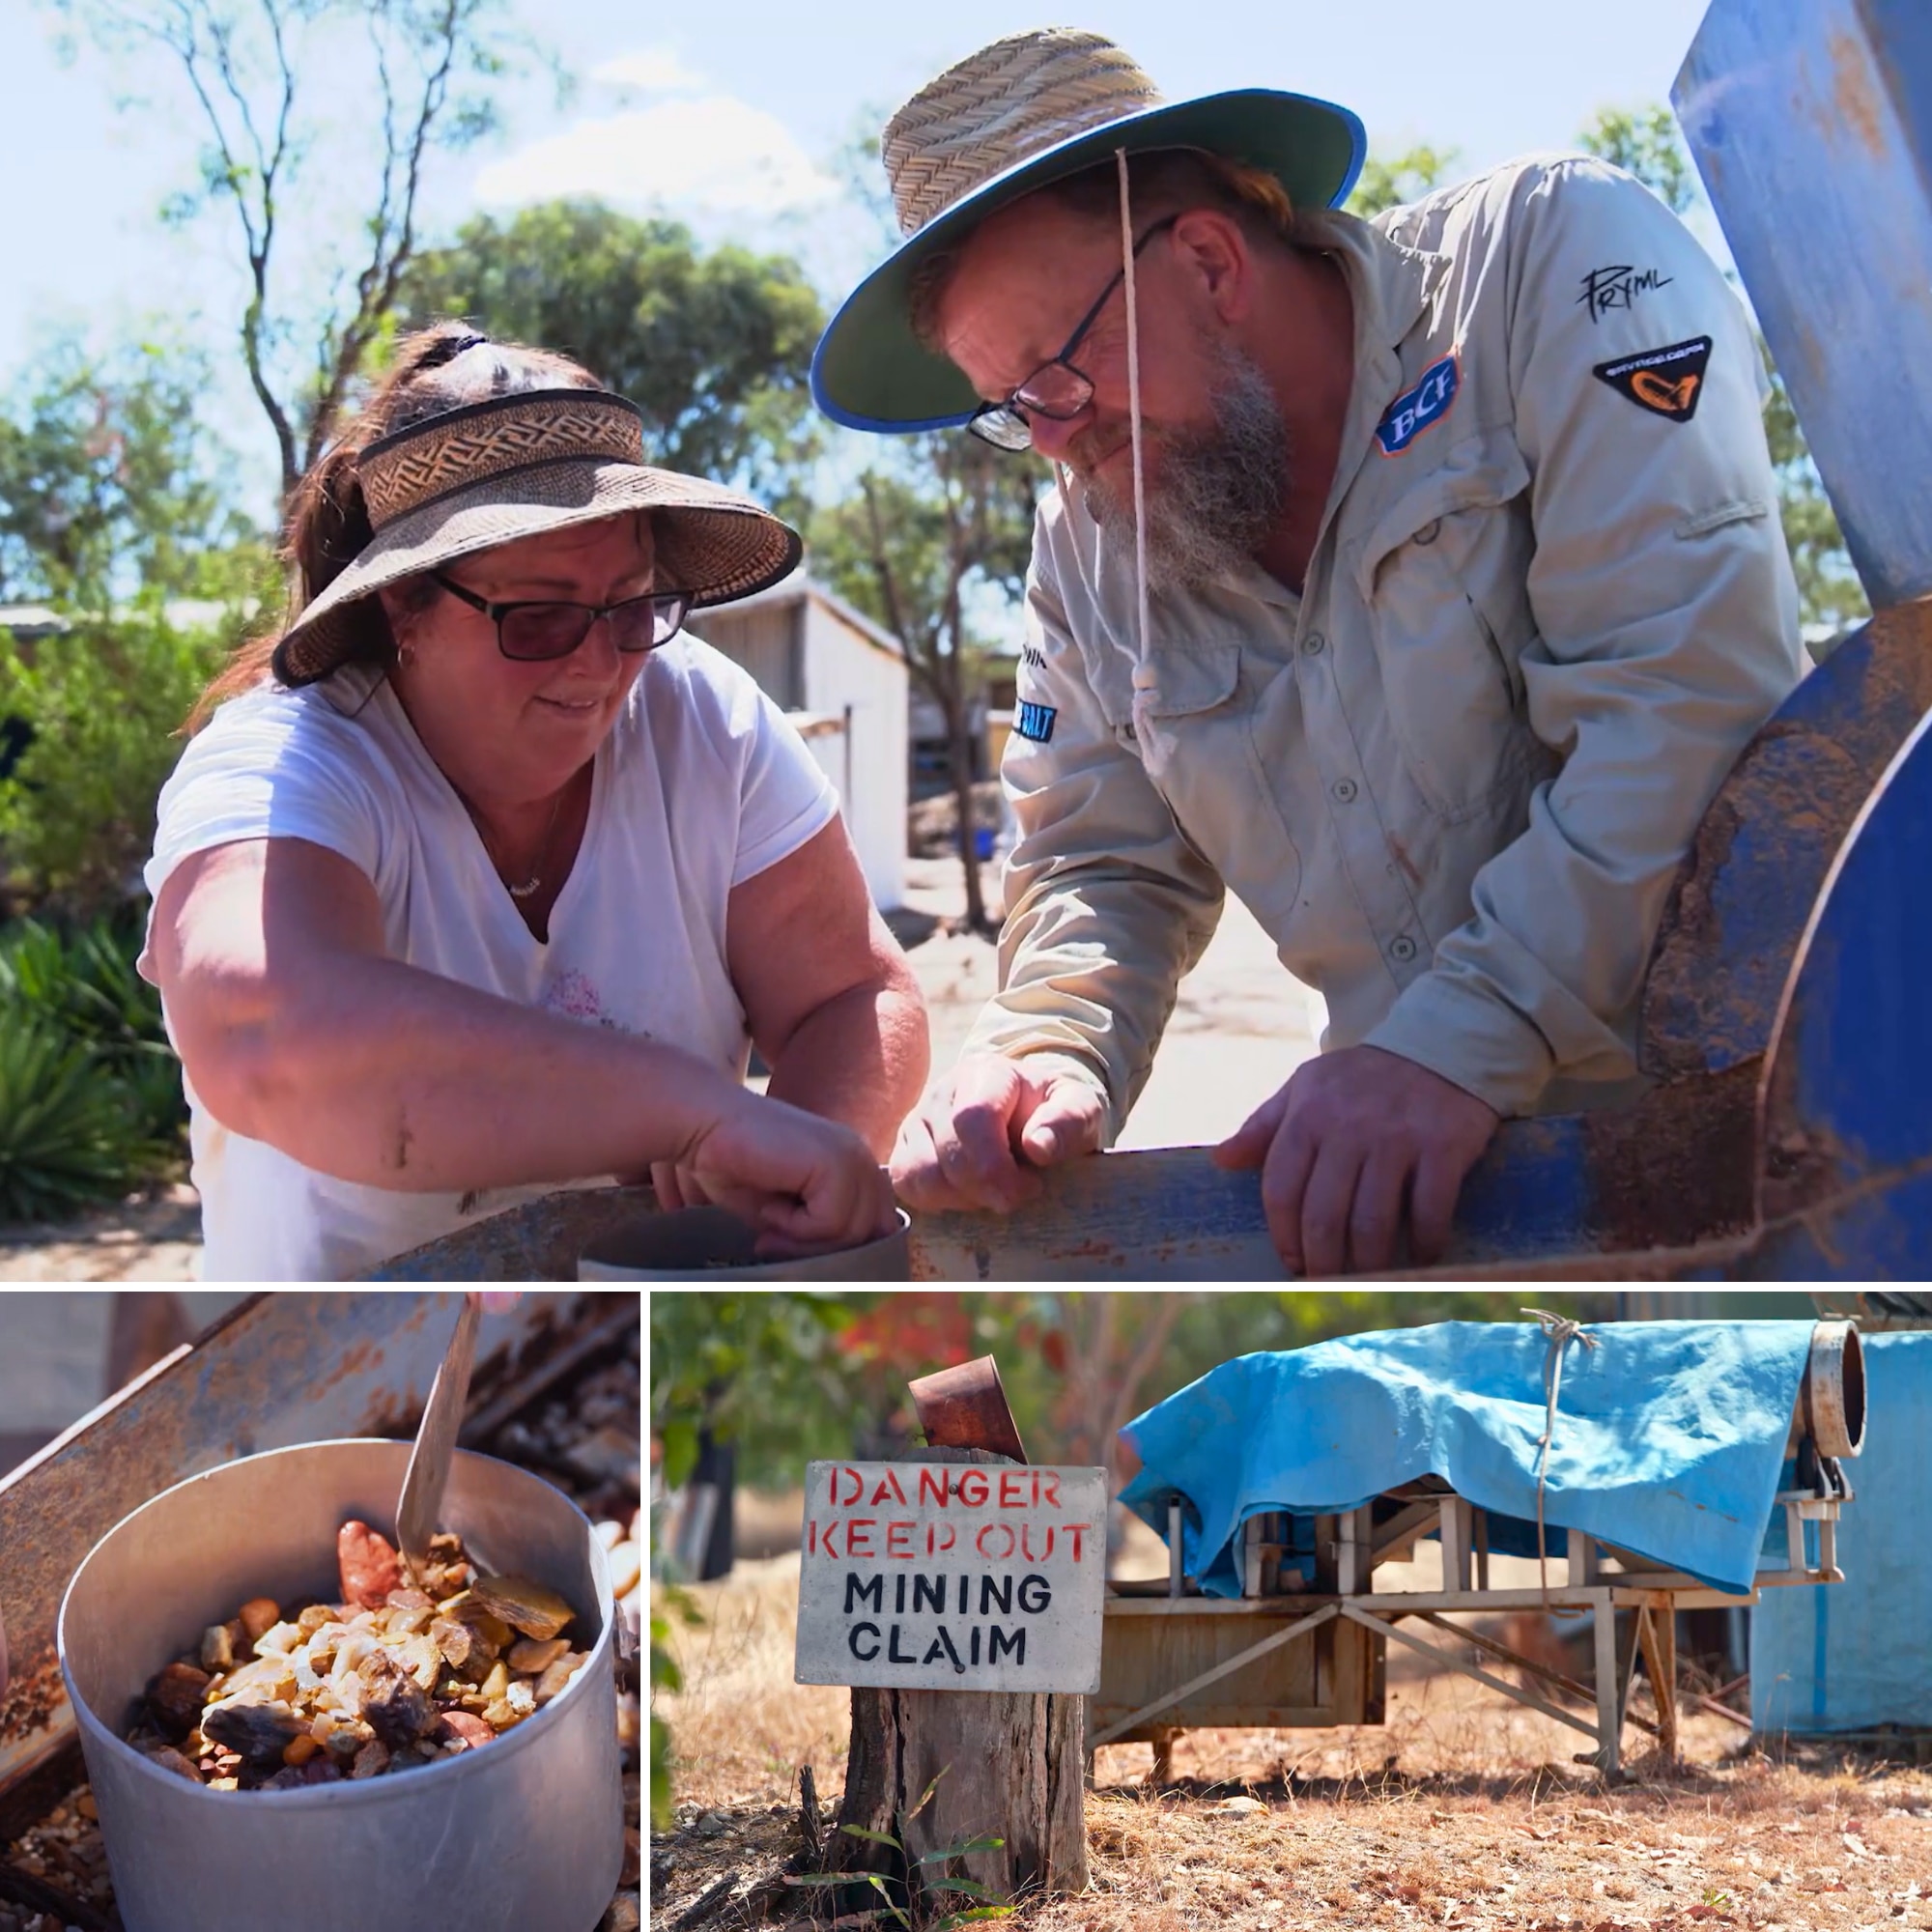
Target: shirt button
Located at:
point(1402, 948)
point(1345, 789)
point(1430, 531)
point(1314, 644)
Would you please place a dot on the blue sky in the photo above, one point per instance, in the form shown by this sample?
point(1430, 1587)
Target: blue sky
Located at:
point(730, 116)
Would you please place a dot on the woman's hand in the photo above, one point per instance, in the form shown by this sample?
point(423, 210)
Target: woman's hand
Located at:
point(809, 1185)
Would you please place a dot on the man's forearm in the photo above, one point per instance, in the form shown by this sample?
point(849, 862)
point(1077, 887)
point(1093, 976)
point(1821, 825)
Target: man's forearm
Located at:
point(1090, 966)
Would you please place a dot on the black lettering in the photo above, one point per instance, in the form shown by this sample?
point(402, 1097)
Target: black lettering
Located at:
point(976, 1643)
point(852, 1641)
point(944, 1641)
point(872, 1594)
point(893, 1649)
point(899, 1605)
point(925, 1597)
point(1004, 1595)
point(1016, 1643)
point(963, 1596)
point(1036, 1593)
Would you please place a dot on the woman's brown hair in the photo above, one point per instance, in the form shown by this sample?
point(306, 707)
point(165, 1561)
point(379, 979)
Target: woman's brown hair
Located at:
point(439, 368)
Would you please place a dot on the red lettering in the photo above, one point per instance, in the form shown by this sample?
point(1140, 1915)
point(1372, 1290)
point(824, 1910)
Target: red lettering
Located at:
point(1073, 1529)
point(1035, 1473)
point(1052, 1481)
point(811, 1537)
point(933, 1530)
point(932, 1484)
point(831, 1531)
point(1026, 1544)
point(1012, 1489)
point(858, 1485)
point(972, 1489)
point(890, 1482)
point(900, 1534)
point(986, 1529)
point(853, 1525)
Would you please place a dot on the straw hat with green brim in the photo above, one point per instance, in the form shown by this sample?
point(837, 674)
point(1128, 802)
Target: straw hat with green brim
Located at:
point(522, 465)
point(1023, 112)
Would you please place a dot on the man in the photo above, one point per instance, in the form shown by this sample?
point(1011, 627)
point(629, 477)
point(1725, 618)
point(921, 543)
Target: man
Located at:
point(1460, 586)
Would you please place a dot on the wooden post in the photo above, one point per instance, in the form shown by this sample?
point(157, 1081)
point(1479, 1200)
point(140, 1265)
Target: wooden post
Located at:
point(1009, 1765)
point(1657, 1633)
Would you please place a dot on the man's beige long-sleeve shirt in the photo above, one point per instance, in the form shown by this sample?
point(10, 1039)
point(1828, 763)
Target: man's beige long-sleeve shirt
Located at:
point(1452, 779)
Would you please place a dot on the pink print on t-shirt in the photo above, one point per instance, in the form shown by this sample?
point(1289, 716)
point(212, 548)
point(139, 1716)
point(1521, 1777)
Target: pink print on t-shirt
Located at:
point(573, 994)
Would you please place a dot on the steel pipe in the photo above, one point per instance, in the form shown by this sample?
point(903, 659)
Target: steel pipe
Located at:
point(527, 1831)
point(1831, 1406)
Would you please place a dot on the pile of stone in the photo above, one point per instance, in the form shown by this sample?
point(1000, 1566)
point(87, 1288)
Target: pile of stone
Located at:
point(399, 1673)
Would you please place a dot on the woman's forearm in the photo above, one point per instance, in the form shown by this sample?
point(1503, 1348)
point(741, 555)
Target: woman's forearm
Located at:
point(378, 1072)
point(861, 1058)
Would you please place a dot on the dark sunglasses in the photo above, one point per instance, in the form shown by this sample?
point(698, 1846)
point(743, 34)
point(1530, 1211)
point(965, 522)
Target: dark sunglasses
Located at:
point(535, 633)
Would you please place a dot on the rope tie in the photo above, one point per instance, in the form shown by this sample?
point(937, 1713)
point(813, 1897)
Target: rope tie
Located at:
point(1153, 741)
point(1559, 1331)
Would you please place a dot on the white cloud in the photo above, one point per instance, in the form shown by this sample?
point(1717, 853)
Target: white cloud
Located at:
point(652, 71)
point(713, 151)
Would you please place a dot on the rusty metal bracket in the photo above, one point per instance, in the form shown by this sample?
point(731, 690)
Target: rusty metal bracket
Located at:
point(965, 1407)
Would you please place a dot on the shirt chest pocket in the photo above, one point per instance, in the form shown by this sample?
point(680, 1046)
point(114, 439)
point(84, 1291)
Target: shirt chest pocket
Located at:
point(1443, 577)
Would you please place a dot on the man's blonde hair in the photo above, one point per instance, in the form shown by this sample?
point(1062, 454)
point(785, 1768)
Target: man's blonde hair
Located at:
point(1166, 181)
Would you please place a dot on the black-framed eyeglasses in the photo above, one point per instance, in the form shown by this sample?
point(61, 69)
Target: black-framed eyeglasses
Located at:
point(1056, 389)
point(536, 631)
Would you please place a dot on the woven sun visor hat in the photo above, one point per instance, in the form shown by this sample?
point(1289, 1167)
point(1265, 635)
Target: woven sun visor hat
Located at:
point(522, 465)
point(1023, 112)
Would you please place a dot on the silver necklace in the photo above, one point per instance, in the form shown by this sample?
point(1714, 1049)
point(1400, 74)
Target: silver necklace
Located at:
point(520, 893)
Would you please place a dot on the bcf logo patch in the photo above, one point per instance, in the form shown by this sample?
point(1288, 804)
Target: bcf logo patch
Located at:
point(1418, 409)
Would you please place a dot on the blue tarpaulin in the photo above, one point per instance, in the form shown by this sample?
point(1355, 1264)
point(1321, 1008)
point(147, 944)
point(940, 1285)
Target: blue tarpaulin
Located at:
point(1858, 1655)
point(1669, 1437)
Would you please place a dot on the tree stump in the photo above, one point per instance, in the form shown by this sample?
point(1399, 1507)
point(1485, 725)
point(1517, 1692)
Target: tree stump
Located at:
point(1008, 1765)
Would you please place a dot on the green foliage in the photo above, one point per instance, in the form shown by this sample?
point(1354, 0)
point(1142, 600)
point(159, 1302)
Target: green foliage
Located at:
point(91, 1099)
point(102, 701)
point(110, 485)
point(796, 1376)
point(991, 1907)
point(68, 1135)
point(1407, 178)
point(667, 1601)
point(1647, 142)
point(760, 1370)
point(714, 347)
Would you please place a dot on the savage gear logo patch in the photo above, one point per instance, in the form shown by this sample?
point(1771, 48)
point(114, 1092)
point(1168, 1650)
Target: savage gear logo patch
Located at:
point(1418, 409)
point(1618, 286)
point(1667, 381)
point(1036, 721)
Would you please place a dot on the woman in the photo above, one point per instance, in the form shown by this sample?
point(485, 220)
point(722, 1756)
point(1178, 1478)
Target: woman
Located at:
point(493, 883)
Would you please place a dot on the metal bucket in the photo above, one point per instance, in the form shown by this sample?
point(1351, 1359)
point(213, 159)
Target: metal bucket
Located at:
point(712, 1244)
point(525, 1834)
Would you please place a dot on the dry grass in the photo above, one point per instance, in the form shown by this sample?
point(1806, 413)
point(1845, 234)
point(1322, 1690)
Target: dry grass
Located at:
point(1463, 1811)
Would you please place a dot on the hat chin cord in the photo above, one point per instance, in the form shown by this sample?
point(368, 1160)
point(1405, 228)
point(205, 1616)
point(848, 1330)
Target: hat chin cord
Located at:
point(1155, 745)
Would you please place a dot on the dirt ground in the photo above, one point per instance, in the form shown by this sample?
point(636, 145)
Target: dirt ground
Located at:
point(1241, 1027)
point(1464, 1810)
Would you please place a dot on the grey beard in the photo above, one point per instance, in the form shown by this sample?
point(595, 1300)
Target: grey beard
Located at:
point(1218, 491)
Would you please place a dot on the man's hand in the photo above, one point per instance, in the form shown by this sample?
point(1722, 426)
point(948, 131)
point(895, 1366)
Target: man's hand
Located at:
point(1343, 1142)
point(979, 1133)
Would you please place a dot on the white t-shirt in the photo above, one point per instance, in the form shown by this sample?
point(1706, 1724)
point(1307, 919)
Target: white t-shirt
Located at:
point(700, 785)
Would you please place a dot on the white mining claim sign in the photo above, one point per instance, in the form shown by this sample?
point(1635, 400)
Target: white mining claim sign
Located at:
point(952, 1577)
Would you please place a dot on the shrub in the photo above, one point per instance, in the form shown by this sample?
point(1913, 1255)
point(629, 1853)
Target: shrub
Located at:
point(101, 704)
point(67, 1133)
point(91, 1103)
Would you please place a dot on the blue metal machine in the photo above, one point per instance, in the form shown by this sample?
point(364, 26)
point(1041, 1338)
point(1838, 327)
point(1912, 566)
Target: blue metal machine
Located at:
point(1789, 1134)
